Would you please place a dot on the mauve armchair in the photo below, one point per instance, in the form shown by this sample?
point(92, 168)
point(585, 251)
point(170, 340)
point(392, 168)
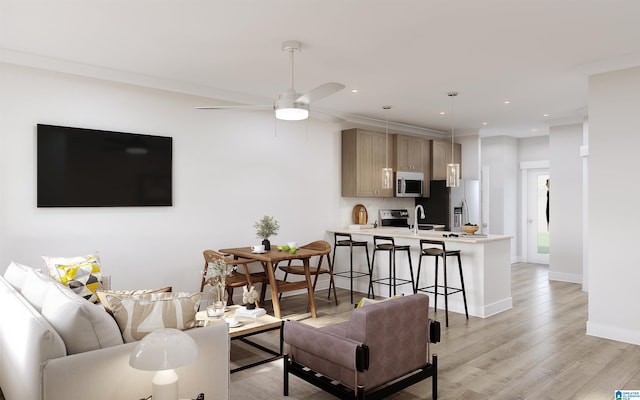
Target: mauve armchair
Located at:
point(382, 349)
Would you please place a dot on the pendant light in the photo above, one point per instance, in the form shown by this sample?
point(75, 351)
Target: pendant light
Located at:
point(453, 169)
point(387, 172)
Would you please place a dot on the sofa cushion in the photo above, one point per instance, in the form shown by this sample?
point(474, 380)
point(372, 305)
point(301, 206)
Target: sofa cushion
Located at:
point(102, 294)
point(82, 274)
point(16, 274)
point(83, 326)
point(140, 315)
point(35, 288)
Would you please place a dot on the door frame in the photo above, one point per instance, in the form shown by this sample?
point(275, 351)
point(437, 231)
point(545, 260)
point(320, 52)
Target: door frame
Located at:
point(525, 166)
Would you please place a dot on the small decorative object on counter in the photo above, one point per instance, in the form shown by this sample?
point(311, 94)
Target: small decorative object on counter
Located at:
point(266, 227)
point(470, 229)
point(249, 297)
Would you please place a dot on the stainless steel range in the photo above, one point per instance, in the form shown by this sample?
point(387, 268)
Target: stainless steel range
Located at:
point(394, 217)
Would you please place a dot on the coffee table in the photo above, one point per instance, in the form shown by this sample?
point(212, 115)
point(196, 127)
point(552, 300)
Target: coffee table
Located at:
point(249, 326)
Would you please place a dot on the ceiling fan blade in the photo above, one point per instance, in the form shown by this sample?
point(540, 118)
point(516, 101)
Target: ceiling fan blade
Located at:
point(320, 92)
point(248, 107)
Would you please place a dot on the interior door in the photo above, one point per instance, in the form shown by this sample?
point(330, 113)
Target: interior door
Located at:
point(538, 246)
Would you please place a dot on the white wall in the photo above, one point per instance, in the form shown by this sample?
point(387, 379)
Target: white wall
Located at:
point(230, 168)
point(565, 203)
point(535, 148)
point(614, 140)
point(499, 157)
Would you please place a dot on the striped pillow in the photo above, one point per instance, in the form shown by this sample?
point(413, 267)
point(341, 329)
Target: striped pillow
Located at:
point(137, 316)
point(102, 295)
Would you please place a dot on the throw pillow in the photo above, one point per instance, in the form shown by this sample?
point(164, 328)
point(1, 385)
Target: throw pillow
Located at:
point(102, 294)
point(137, 316)
point(82, 325)
point(365, 301)
point(82, 274)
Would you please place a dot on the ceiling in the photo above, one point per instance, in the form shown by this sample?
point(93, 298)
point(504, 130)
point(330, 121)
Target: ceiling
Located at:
point(408, 54)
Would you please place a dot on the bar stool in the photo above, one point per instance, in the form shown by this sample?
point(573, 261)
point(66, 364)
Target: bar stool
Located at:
point(441, 252)
point(387, 243)
point(345, 240)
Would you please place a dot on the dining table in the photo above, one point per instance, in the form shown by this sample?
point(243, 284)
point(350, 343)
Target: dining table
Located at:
point(269, 260)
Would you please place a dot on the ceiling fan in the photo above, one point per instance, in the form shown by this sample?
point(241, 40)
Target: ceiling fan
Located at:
point(291, 105)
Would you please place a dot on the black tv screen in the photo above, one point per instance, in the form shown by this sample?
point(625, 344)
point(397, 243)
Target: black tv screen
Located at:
point(91, 168)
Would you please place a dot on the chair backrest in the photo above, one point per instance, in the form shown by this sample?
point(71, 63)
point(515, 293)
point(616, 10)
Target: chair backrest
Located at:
point(319, 245)
point(438, 243)
point(397, 334)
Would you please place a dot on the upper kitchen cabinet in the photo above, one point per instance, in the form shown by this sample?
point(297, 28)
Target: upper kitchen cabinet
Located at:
point(441, 156)
point(408, 153)
point(363, 157)
point(426, 166)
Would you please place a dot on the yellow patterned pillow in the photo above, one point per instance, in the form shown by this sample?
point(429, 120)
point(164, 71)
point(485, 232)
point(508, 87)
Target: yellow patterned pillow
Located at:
point(137, 316)
point(83, 278)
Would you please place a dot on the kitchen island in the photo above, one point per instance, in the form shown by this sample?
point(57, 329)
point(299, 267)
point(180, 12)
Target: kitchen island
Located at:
point(486, 265)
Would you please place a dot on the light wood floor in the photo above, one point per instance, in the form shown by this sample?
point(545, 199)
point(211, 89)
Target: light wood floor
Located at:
point(537, 350)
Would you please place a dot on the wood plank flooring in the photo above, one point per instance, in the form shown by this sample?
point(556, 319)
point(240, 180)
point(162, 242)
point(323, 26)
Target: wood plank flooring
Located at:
point(537, 350)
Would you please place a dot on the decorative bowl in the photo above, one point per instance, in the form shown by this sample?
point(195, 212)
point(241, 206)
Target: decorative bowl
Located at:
point(470, 229)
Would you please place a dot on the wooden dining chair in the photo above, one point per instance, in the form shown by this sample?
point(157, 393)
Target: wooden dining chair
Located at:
point(315, 272)
point(238, 278)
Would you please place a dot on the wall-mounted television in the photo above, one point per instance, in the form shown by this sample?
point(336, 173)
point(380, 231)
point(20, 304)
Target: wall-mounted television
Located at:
point(79, 167)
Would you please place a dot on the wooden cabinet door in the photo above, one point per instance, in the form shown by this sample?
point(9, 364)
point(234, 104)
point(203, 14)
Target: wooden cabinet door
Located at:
point(408, 153)
point(426, 167)
point(441, 156)
point(363, 157)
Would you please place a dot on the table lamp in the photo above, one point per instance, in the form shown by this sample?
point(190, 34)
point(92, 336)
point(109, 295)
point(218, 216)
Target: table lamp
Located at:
point(162, 351)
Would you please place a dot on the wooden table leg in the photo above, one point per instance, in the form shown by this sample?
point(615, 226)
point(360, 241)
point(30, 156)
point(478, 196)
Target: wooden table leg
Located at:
point(274, 289)
point(312, 304)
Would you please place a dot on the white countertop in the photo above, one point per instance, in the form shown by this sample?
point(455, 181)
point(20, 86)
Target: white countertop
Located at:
point(406, 233)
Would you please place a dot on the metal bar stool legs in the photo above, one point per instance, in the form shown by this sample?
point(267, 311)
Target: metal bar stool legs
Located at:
point(439, 252)
point(345, 240)
point(387, 243)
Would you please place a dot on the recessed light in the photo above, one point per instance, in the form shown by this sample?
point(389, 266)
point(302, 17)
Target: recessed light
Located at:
point(485, 123)
point(442, 113)
point(507, 102)
point(545, 115)
point(354, 90)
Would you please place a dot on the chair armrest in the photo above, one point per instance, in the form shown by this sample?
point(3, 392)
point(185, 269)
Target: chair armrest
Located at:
point(339, 350)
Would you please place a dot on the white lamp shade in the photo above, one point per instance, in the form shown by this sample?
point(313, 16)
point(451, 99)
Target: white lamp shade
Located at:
point(164, 349)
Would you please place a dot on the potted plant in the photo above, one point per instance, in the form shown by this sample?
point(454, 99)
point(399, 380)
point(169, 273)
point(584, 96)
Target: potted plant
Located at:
point(266, 227)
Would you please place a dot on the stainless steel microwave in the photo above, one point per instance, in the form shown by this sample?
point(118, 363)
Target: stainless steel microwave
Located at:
point(409, 184)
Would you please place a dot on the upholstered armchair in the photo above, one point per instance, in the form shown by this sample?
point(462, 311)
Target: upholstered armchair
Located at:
point(382, 349)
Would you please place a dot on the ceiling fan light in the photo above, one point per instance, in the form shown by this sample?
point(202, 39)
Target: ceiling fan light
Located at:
point(289, 110)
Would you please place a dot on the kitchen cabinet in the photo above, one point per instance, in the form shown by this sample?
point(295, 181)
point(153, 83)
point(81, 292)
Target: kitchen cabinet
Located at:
point(441, 156)
point(413, 154)
point(426, 166)
point(363, 157)
point(408, 153)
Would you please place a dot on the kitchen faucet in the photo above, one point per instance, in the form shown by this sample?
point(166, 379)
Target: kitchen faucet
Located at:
point(415, 218)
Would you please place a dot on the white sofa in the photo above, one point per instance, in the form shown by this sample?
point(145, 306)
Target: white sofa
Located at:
point(55, 345)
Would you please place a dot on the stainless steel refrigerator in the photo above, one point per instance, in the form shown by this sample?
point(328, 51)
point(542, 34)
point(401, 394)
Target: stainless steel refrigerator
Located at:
point(452, 207)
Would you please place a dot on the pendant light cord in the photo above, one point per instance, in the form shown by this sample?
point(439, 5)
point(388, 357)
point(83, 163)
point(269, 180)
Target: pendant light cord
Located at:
point(452, 95)
point(386, 137)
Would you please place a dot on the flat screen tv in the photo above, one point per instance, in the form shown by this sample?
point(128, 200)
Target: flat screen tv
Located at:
point(91, 168)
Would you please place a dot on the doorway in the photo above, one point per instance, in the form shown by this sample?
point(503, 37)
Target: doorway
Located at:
point(536, 214)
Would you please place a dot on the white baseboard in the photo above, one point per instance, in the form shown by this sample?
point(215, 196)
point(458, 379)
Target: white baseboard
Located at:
point(564, 277)
point(498, 307)
point(613, 333)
